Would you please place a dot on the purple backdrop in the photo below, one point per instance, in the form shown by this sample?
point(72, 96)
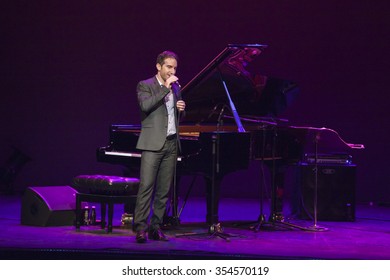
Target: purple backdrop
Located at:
point(68, 71)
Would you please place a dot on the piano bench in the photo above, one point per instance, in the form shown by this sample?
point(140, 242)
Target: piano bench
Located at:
point(106, 190)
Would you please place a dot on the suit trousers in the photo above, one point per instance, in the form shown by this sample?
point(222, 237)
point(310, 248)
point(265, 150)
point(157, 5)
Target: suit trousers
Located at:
point(156, 176)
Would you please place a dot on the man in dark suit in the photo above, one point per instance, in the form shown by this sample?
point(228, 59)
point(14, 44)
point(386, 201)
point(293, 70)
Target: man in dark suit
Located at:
point(160, 103)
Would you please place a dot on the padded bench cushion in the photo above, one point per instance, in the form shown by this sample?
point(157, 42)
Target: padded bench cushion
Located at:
point(106, 185)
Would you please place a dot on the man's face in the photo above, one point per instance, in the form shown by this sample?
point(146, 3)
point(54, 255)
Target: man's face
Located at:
point(167, 69)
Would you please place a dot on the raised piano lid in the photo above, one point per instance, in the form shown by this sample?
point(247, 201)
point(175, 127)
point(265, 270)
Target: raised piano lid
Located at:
point(254, 95)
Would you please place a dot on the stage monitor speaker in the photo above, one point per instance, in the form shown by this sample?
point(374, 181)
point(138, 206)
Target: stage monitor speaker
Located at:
point(49, 206)
point(335, 192)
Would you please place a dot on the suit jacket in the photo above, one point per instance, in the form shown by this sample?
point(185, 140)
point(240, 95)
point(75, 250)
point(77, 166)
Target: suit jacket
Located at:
point(154, 114)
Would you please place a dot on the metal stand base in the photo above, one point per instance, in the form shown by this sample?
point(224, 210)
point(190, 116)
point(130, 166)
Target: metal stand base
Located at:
point(215, 230)
point(260, 222)
point(317, 228)
point(276, 222)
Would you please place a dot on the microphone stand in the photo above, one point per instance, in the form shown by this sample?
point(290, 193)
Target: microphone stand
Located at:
point(215, 229)
point(261, 221)
point(315, 227)
point(175, 220)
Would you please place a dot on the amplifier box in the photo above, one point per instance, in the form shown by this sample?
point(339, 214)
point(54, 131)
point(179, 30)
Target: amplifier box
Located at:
point(335, 188)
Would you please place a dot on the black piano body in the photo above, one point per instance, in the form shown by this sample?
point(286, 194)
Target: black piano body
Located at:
point(232, 118)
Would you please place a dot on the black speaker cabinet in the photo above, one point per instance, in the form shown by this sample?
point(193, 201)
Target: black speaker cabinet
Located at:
point(49, 206)
point(335, 192)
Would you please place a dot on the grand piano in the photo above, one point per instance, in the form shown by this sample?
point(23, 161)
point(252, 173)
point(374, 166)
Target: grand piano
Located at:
point(231, 119)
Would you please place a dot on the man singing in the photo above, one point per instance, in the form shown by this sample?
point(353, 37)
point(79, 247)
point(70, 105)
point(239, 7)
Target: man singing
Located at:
point(160, 104)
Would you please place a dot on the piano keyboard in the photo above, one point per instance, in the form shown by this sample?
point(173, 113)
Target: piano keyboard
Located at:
point(126, 154)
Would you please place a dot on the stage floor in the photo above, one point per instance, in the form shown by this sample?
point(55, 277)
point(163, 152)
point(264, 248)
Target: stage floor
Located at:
point(367, 238)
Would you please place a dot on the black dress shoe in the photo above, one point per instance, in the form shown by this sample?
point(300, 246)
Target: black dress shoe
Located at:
point(157, 234)
point(140, 236)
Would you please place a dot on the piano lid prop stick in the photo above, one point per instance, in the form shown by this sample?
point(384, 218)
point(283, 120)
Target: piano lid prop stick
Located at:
point(234, 111)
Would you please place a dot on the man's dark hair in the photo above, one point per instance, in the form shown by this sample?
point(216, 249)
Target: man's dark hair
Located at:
point(164, 55)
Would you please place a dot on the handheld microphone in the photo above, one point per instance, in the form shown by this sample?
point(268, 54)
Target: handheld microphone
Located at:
point(176, 89)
